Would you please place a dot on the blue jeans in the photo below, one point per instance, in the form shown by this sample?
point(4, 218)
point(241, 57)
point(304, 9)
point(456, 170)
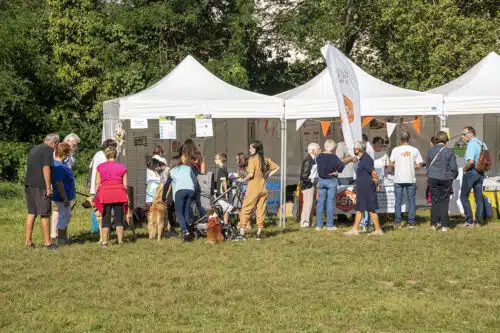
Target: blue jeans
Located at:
point(472, 180)
point(411, 192)
point(183, 211)
point(327, 189)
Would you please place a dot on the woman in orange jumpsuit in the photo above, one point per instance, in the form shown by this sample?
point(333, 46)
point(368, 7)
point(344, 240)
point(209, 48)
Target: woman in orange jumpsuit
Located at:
point(258, 170)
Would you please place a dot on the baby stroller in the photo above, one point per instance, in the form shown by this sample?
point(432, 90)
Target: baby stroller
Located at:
point(221, 206)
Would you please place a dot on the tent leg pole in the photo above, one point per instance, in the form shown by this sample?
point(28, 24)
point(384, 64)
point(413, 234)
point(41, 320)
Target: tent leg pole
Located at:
point(282, 220)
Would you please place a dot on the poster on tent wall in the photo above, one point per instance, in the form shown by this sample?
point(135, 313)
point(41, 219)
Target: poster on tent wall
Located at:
point(346, 89)
point(138, 123)
point(204, 126)
point(168, 128)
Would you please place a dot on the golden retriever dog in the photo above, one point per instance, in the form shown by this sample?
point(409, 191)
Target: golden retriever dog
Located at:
point(158, 211)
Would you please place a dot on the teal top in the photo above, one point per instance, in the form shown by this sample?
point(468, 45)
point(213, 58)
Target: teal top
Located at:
point(183, 178)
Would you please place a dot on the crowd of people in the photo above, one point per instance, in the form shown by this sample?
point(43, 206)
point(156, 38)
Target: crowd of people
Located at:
point(49, 178)
point(323, 172)
point(50, 184)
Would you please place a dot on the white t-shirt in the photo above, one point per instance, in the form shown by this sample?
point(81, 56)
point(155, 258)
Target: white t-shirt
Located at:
point(98, 159)
point(405, 158)
point(342, 152)
point(369, 150)
point(381, 160)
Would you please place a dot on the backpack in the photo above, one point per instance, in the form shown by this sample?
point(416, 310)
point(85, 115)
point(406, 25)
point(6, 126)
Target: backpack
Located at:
point(484, 161)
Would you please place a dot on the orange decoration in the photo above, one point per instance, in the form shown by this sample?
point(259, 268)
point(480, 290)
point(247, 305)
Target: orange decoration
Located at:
point(349, 108)
point(325, 126)
point(416, 123)
point(366, 121)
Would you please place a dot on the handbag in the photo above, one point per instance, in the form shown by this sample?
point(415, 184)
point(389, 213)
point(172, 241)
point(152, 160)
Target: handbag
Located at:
point(484, 160)
point(434, 159)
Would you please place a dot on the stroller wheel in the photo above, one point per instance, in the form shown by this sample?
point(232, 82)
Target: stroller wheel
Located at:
point(229, 232)
point(196, 234)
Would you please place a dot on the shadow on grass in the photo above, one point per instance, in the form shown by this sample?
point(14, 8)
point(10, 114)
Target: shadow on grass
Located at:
point(277, 232)
point(93, 237)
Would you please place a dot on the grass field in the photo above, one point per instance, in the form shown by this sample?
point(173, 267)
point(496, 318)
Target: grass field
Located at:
point(293, 281)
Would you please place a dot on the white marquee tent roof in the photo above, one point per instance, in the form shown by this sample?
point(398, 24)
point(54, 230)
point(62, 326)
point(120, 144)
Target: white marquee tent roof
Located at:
point(475, 92)
point(316, 99)
point(190, 89)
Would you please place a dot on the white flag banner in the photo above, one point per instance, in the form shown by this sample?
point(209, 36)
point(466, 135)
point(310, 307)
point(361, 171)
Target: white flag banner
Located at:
point(390, 128)
point(346, 89)
point(299, 123)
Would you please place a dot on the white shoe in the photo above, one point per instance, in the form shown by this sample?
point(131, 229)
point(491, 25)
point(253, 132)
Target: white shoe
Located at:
point(377, 233)
point(433, 228)
point(319, 229)
point(352, 233)
point(444, 229)
point(332, 229)
point(304, 224)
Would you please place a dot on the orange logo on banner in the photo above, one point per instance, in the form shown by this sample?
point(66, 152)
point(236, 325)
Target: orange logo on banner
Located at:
point(346, 200)
point(349, 108)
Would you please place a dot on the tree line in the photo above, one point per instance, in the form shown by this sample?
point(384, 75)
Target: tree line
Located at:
point(60, 59)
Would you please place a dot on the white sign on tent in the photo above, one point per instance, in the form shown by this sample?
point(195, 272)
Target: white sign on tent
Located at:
point(168, 128)
point(138, 123)
point(204, 126)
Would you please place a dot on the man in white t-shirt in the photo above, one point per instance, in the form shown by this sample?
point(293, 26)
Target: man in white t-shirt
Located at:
point(381, 160)
point(405, 159)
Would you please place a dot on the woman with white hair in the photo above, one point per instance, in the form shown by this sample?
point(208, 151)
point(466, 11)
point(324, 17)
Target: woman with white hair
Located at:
point(308, 181)
point(366, 190)
point(329, 166)
point(73, 140)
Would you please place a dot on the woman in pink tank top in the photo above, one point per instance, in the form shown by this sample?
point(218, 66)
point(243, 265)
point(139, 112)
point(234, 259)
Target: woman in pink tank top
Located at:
point(111, 194)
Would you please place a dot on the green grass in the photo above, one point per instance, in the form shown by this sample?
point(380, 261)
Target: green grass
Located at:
point(293, 281)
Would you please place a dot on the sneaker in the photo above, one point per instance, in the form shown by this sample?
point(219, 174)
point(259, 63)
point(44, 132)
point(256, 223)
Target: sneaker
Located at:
point(377, 233)
point(467, 225)
point(62, 241)
point(398, 226)
point(444, 229)
point(352, 233)
point(186, 237)
point(259, 236)
point(412, 226)
point(103, 245)
point(52, 247)
point(332, 229)
point(319, 228)
point(304, 224)
point(433, 228)
point(171, 234)
point(240, 237)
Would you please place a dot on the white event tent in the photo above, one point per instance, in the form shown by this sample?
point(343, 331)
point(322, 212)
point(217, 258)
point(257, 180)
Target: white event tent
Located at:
point(475, 92)
point(473, 99)
point(316, 99)
point(187, 90)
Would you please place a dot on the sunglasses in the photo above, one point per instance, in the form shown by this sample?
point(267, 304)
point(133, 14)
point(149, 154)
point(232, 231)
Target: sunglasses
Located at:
point(466, 133)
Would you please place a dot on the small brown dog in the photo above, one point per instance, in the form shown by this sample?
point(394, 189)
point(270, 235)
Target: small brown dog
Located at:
point(214, 228)
point(158, 211)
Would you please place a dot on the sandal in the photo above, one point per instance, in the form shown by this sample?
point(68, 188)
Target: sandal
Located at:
point(352, 233)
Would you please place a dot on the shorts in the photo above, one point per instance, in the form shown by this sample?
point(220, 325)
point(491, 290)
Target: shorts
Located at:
point(64, 215)
point(37, 201)
point(226, 206)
